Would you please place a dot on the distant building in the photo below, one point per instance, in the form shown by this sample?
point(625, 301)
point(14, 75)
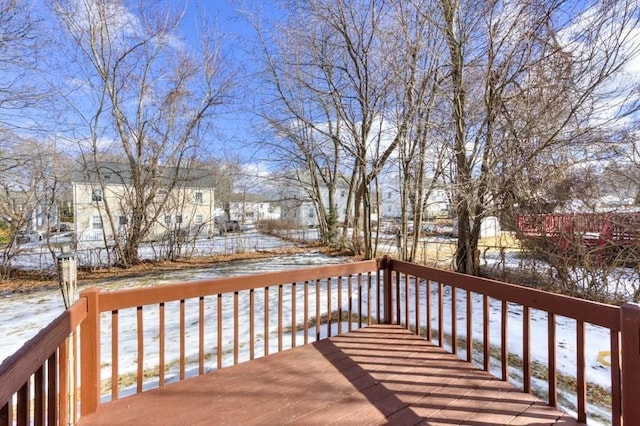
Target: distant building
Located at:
point(187, 207)
point(437, 206)
point(250, 212)
point(298, 207)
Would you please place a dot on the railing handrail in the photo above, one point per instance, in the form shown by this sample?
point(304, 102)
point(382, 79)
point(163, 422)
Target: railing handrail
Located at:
point(129, 298)
point(30, 357)
point(596, 313)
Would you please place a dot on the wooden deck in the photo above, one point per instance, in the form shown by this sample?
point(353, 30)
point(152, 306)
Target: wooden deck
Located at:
point(377, 375)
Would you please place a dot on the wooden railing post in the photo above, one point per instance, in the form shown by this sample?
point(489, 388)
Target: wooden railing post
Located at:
point(90, 354)
point(387, 301)
point(630, 337)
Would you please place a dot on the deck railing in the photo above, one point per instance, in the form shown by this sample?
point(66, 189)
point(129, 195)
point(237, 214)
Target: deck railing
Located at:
point(38, 383)
point(135, 339)
point(453, 302)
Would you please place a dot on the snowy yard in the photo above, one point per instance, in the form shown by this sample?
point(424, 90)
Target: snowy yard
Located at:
point(37, 255)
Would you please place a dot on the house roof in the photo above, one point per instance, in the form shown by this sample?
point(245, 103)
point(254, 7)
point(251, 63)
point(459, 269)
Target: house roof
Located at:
point(121, 174)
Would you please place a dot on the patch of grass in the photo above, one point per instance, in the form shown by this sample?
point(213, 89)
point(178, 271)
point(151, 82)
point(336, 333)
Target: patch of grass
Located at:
point(324, 319)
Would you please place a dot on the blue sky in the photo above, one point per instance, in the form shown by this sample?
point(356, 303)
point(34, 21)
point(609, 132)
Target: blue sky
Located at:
point(236, 135)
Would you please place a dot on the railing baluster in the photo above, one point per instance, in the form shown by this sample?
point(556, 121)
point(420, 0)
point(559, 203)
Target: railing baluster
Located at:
point(428, 313)
point(454, 322)
point(551, 346)
point(294, 322)
point(6, 413)
point(329, 311)
point(201, 335)
point(280, 296)
point(397, 316)
point(340, 304)
point(368, 299)
point(266, 321)
point(407, 279)
point(485, 333)
point(23, 407)
point(75, 382)
point(38, 396)
point(161, 342)
point(580, 373)
point(359, 300)
point(183, 346)
point(114, 355)
point(140, 349)
point(52, 389)
point(252, 324)
point(504, 339)
point(219, 329)
point(317, 310)
point(306, 312)
point(349, 308)
point(236, 328)
point(378, 281)
point(416, 282)
point(469, 326)
point(387, 290)
point(63, 398)
point(440, 315)
point(526, 348)
point(616, 396)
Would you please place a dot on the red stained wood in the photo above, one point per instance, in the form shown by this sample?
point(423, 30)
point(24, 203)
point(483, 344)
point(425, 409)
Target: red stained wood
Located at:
point(377, 375)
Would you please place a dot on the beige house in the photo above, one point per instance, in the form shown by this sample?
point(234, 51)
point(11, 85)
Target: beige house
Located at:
point(103, 211)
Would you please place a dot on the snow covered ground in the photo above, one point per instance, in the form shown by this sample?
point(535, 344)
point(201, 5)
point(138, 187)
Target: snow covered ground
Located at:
point(22, 315)
point(37, 255)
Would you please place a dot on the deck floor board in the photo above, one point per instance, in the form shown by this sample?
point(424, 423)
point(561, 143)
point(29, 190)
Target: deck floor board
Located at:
point(376, 375)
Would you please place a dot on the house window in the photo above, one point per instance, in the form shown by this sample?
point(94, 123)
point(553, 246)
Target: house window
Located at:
point(123, 220)
point(343, 193)
point(178, 218)
point(199, 219)
point(270, 209)
point(96, 222)
point(311, 214)
point(96, 195)
point(167, 219)
point(198, 198)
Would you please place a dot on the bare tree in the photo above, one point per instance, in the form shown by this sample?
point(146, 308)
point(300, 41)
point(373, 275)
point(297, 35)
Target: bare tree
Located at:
point(19, 55)
point(338, 77)
point(33, 182)
point(525, 80)
point(420, 152)
point(143, 96)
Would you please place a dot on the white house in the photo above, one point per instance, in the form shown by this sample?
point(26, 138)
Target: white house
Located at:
point(250, 212)
point(438, 204)
point(102, 208)
point(298, 207)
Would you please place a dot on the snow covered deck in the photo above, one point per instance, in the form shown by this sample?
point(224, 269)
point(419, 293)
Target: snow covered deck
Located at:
point(382, 374)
